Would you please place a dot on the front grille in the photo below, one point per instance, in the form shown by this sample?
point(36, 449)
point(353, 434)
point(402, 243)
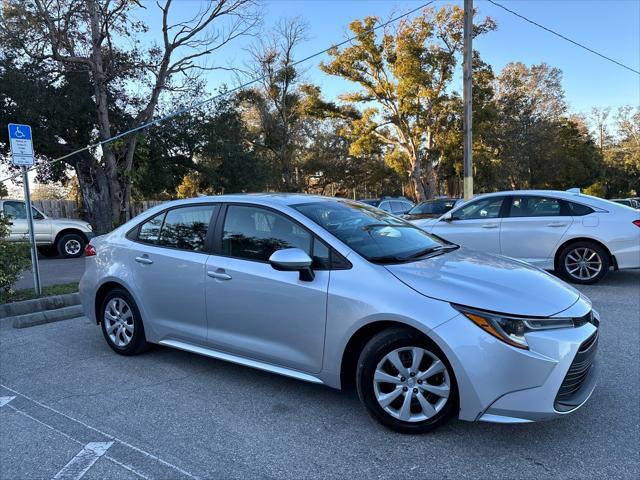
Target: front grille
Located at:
point(577, 374)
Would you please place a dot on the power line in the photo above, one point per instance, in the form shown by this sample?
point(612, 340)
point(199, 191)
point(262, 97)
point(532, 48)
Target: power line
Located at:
point(215, 97)
point(564, 37)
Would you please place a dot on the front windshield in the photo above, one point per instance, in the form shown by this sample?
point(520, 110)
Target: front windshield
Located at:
point(374, 234)
point(434, 208)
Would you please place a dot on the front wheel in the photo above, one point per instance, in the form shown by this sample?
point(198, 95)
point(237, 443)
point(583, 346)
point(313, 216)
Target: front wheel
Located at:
point(584, 263)
point(405, 382)
point(71, 245)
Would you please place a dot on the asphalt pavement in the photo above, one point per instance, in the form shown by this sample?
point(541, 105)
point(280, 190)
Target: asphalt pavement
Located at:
point(71, 405)
point(53, 271)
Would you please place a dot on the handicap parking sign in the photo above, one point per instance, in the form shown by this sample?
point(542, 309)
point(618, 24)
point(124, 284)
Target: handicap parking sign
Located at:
point(21, 144)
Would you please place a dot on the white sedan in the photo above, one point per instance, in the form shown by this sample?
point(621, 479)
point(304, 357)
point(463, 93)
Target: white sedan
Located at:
point(579, 236)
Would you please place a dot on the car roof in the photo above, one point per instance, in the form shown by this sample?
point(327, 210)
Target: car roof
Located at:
point(275, 199)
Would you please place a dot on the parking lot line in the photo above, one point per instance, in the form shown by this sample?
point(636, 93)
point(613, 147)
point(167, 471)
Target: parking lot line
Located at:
point(83, 461)
point(146, 454)
point(5, 400)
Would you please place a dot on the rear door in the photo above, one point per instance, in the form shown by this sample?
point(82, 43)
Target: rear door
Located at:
point(475, 225)
point(533, 227)
point(168, 262)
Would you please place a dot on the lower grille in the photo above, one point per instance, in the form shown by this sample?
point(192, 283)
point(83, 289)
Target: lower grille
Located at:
point(570, 395)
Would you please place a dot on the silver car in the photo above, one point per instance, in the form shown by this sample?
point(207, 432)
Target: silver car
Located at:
point(336, 292)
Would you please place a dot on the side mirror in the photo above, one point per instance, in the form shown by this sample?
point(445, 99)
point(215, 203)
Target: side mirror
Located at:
point(293, 260)
point(447, 217)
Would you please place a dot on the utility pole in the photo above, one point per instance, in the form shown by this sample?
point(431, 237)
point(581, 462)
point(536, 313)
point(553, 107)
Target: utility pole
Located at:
point(467, 90)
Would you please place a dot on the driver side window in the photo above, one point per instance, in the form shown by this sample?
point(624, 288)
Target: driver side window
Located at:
point(480, 209)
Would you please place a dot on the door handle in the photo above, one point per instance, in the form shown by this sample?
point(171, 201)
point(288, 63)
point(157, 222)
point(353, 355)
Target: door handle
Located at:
point(489, 225)
point(144, 260)
point(219, 274)
point(556, 224)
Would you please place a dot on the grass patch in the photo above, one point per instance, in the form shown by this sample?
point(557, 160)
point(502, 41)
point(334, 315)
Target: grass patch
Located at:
point(29, 293)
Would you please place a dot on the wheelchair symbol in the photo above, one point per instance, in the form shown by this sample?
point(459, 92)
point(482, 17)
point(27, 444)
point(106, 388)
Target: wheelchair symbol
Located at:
point(18, 133)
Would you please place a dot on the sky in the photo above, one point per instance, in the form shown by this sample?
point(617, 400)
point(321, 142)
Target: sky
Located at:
point(611, 27)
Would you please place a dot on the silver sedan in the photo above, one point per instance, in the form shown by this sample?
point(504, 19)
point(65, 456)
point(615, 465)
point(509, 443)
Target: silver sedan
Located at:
point(336, 292)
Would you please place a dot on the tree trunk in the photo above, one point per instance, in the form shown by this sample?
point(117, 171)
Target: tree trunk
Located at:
point(96, 198)
point(416, 179)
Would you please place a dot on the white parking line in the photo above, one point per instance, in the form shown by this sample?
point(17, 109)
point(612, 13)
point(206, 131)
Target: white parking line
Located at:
point(5, 400)
point(115, 439)
point(83, 461)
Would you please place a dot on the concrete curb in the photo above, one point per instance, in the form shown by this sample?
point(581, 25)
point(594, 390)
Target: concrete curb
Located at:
point(39, 305)
point(40, 318)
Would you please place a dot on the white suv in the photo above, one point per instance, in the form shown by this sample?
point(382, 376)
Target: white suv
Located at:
point(65, 237)
point(579, 236)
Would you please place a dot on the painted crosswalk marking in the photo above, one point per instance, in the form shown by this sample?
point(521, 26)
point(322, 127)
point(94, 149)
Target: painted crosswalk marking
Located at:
point(83, 461)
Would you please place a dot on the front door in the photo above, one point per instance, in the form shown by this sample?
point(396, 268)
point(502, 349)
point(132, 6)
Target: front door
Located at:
point(168, 261)
point(19, 227)
point(256, 311)
point(475, 225)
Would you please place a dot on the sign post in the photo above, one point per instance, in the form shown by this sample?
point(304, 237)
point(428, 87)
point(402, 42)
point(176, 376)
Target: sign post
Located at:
point(22, 156)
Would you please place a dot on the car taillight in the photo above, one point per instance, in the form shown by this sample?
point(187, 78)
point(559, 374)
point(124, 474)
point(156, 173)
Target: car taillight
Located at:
point(636, 223)
point(89, 250)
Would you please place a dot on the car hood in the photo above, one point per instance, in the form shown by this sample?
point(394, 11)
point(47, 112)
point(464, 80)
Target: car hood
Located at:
point(424, 223)
point(419, 216)
point(488, 282)
point(70, 223)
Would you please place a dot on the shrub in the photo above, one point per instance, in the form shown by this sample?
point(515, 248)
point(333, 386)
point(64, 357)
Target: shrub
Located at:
point(14, 258)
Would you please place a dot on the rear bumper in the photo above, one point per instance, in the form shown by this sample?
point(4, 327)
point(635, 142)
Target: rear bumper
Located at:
point(500, 383)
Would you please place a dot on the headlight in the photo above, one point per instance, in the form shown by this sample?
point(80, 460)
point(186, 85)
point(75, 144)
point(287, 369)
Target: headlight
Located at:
point(511, 329)
point(89, 227)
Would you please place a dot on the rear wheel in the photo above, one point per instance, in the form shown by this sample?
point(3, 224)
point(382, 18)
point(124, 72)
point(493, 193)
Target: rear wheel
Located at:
point(121, 323)
point(405, 382)
point(71, 245)
point(584, 262)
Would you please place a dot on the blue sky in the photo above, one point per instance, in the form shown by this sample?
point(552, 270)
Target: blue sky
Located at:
point(611, 27)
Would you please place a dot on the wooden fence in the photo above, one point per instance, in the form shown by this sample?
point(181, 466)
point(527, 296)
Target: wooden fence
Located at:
point(69, 208)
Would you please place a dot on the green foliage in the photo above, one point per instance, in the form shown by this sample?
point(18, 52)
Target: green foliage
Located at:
point(29, 293)
point(14, 258)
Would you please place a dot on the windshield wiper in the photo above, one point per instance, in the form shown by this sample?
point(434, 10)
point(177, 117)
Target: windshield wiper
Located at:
point(427, 251)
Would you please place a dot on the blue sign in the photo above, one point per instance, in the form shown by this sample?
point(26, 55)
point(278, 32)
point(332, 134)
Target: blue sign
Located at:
point(19, 132)
point(21, 144)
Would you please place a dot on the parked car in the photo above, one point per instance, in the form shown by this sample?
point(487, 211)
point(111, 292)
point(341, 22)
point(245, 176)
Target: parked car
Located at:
point(64, 236)
point(333, 291)
point(394, 205)
point(431, 208)
point(629, 202)
point(579, 236)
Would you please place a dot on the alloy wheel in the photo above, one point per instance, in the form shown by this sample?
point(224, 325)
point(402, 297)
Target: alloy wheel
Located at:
point(72, 247)
point(119, 324)
point(583, 263)
point(411, 384)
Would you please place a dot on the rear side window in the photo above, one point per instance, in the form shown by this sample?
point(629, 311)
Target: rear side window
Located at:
point(186, 228)
point(578, 210)
point(530, 206)
point(150, 230)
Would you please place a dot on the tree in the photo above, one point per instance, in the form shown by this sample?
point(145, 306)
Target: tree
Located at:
point(406, 73)
point(98, 40)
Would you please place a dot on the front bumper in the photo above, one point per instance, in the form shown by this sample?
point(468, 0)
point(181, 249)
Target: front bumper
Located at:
point(500, 383)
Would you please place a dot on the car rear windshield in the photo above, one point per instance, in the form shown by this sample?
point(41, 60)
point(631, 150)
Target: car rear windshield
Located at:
point(374, 234)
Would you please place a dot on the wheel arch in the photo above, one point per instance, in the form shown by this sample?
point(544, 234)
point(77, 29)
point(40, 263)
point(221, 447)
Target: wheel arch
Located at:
point(102, 292)
point(69, 230)
point(358, 340)
point(556, 258)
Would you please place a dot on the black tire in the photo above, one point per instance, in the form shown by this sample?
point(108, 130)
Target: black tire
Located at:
point(48, 251)
point(374, 351)
point(138, 342)
point(576, 250)
point(71, 245)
